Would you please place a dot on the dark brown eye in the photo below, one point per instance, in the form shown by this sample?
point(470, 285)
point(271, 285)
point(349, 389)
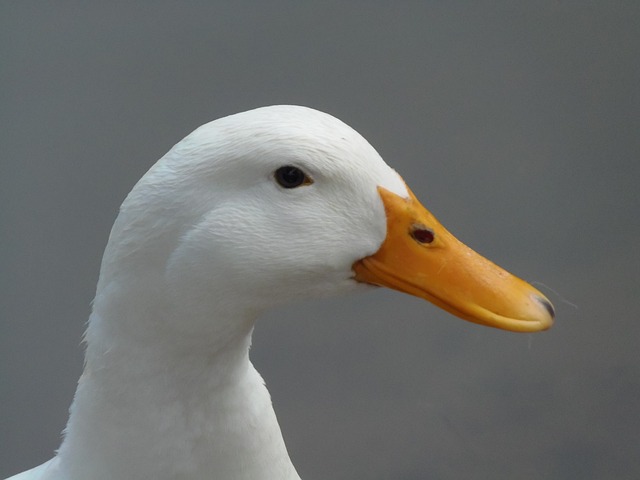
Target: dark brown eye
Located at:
point(291, 177)
point(422, 234)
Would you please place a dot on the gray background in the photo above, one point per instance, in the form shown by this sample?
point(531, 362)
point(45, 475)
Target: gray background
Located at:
point(516, 123)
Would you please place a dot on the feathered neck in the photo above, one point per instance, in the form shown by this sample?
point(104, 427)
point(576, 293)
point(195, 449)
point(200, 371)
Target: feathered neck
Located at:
point(152, 406)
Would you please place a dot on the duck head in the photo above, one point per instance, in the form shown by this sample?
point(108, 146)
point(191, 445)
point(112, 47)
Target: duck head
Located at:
point(284, 203)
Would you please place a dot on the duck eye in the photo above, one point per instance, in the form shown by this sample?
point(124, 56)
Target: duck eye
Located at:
point(291, 177)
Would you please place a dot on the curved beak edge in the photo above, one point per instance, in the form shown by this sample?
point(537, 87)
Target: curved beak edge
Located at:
point(421, 258)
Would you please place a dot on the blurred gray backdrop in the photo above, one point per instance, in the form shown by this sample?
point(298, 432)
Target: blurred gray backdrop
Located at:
point(516, 123)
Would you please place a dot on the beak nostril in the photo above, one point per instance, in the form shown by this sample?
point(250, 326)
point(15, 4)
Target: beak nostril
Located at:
point(422, 234)
point(547, 305)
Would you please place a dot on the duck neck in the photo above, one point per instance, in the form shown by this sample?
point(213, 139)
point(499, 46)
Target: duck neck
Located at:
point(152, 406)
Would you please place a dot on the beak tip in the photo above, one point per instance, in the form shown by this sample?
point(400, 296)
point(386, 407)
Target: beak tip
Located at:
point(547, 321)
point(547, 305)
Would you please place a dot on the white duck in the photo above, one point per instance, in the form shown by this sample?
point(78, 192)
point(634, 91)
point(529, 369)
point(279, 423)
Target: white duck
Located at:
point(248, 212)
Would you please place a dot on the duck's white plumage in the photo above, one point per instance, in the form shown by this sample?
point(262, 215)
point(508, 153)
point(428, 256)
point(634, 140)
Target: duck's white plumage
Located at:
point(204, 243)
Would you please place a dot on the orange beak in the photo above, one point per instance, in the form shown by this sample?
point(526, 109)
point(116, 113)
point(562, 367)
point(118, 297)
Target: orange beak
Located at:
point(420, 257)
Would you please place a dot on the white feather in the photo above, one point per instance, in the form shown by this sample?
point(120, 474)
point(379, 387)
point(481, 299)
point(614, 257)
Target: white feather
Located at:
point(204, 243)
